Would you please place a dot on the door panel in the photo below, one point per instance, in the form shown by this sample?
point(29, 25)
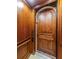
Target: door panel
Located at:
point(47, 32)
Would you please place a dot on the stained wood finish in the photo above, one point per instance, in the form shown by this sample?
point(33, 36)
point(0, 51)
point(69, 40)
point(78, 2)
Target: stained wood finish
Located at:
point(25, 23)
point(47, 44)
point(59, 30)
point(38, 3)
point(24, 51)
point(25, 28)
point(47, 32)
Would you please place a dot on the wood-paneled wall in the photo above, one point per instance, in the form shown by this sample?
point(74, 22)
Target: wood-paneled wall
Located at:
point(25, 28)
point(25, 23)
point(25, 50)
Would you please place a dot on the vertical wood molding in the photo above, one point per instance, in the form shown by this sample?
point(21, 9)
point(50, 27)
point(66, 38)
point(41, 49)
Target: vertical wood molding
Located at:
point(59, 30)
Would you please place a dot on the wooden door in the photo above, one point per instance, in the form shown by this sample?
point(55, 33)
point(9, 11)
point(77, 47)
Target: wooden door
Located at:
point(46, 31)
point(25, 31)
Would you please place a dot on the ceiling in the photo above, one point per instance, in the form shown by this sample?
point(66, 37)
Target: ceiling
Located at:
point(38, 3)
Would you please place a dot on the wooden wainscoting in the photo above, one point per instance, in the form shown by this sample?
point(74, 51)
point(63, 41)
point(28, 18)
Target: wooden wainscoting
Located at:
point(25, 49)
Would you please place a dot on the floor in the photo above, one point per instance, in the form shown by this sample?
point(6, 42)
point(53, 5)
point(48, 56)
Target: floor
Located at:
point(41, 55)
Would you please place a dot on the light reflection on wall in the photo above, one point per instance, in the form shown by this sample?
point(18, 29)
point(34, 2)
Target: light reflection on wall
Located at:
point(20, 5)
point(49, 16)
point(42, 17)
point(45, 16)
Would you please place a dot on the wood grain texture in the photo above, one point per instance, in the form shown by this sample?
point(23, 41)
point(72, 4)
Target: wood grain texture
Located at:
point(25, 23)
point(38, 3)
point(47, 46)
point(59, 30)
point(24, 51)
point(47, 32)
point(25, 28)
